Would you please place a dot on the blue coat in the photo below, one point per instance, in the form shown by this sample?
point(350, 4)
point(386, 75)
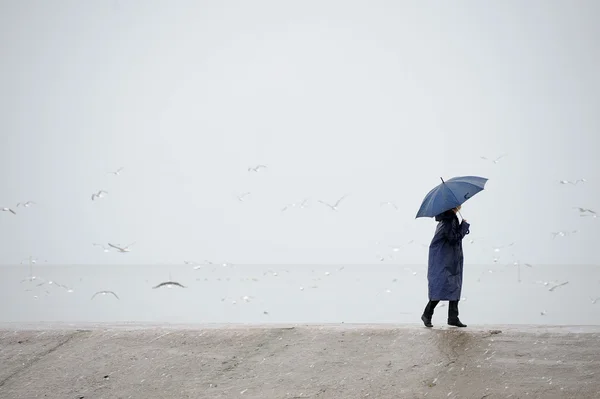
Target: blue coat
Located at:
point(445, 269)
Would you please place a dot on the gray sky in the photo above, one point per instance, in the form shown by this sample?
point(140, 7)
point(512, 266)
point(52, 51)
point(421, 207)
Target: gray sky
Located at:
point(373, 99)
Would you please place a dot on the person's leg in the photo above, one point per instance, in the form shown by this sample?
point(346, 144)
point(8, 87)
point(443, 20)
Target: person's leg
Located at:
point(453, 319)
point(428, 313)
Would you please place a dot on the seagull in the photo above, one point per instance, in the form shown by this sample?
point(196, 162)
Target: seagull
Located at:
point(561, 233)
point(557, 285)
point(105, 249)
point(594, 300)
point(572, 182)
point(389, 203)
point(116, 172)
point(99, 194)
point(242, 196)
point(497, 249)
point(195, 264)
point(584, 210)
point(495, 160)
point(396, 248)
point(169, 284)
point(334, 206)
point(303, 203)
point(104, 293)
point(122, 250)
point(8, 210)
point(256, 168)
point(285, 208)
point(25, 204)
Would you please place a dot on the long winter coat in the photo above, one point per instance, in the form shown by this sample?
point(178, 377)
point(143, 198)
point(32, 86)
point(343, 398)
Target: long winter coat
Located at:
point(445, 270)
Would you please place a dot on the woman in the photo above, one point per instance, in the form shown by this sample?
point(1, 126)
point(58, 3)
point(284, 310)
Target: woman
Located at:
point(445, 270)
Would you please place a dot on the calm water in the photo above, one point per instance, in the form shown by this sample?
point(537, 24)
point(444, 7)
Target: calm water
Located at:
point(294, 294)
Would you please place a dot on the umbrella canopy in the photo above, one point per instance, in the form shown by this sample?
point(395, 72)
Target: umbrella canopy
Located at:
point(450, 194)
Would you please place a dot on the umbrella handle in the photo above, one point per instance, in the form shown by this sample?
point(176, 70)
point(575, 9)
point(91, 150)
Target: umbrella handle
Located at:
point(461, 216)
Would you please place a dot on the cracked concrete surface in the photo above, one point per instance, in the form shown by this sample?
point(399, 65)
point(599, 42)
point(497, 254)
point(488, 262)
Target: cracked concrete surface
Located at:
point(300, 362)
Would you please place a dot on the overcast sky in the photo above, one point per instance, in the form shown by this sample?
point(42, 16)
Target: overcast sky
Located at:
point(373, 99)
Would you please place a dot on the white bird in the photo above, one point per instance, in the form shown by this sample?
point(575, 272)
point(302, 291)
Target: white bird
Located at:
point(594, 300)
point(303, 203)
point(396, 248)
point(334, 206)
point(495, 160)
point(8, 210)
point(572, 182)
point(26, 204)
point(562, 233)
point(121, 249)
point(242, 196)
point(99, 194)
point(116, 172)
point(584, 210)
point(557, 285)
point(105, 249)
point(497, 249)
point(390, 204)
point(257, 168)
point(104, 293)
point(285, 208)
point(169, 284)
point(195, 264)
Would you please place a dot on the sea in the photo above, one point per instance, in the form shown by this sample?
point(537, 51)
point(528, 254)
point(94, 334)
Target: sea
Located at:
point(294, 294)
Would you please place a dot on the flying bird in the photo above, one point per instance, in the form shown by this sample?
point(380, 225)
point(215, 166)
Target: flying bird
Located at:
point(257, 168)
point(495, 160)
point(104, 293)
point(572, 182)
point(334, 206)
point(288, 206)
point(561, 233)
point(303, 203)
point(557, 285)
point(169, 284)
point(25, 204)
point(242, 196)
point(584, 210)
point(8, 210)
point(99, 194)
point(390, 204)
point(497, 249)
point(121, 249)
point(116, 172)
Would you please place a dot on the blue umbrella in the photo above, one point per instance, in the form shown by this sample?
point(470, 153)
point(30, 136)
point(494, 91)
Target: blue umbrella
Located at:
point(450, 194)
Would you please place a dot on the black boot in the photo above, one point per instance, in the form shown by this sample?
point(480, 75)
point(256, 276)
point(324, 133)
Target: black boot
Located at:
point(453, 319)
point(428, 313)
point(426, 320)
point(456, 322)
